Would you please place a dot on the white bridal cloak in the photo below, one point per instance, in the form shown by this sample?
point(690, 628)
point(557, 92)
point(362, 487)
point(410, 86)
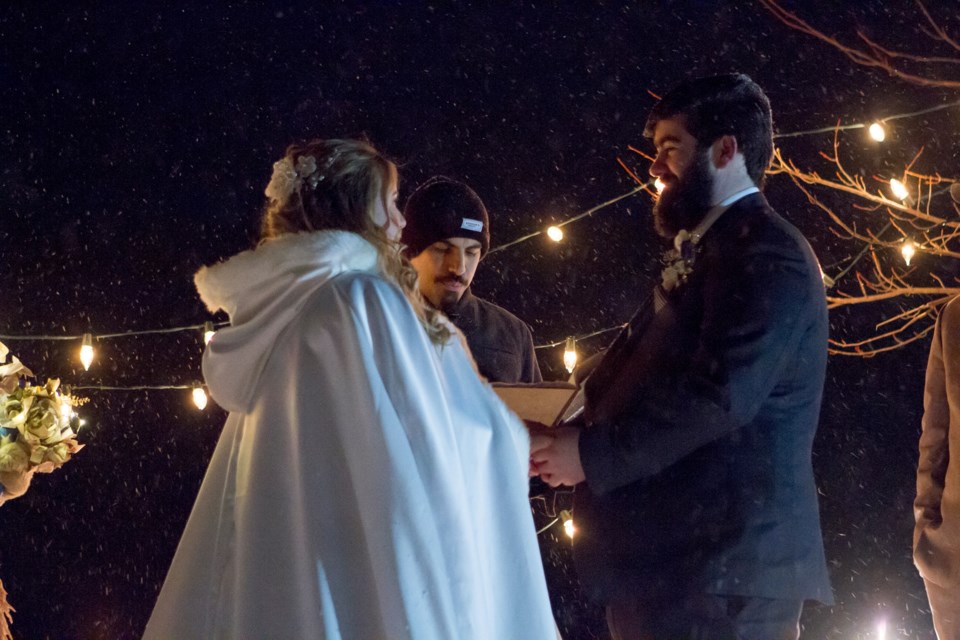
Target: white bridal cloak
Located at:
point(367, 483)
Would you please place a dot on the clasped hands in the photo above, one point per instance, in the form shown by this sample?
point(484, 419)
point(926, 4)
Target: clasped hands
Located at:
point(555, 454)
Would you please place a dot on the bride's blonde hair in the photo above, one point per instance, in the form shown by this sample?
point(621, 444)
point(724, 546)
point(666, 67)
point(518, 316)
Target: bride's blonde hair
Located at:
point(336, 184)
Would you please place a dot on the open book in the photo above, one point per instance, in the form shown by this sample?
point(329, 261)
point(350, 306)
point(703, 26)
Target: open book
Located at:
point(549, 403)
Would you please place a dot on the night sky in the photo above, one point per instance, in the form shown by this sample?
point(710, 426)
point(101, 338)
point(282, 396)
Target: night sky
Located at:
point(135, 143)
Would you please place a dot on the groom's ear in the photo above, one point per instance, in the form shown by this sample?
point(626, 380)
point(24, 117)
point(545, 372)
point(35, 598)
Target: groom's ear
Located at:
point(724, 150)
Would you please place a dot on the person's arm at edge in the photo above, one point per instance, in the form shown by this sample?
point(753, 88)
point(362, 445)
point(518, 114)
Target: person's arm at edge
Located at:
point(932, 464)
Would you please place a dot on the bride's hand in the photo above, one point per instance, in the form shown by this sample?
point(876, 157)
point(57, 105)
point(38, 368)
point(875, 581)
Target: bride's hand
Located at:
point(540, 438)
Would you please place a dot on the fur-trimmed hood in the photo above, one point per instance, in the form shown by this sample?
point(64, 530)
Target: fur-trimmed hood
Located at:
point(262, 290)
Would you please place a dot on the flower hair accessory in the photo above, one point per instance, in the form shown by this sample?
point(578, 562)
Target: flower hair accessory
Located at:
point(288, 177)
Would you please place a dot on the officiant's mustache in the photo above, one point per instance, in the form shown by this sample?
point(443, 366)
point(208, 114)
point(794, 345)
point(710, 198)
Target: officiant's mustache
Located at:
point(452, 278)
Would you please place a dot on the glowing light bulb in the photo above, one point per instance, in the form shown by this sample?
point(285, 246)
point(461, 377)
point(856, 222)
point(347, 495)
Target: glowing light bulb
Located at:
point(86, 351)
point(570, 355)
point(66, 408)
point(555, 233)
point(82, 423)
point(208, 332)
point(568, 527)
point(899, 189)
point(877, 132)
point(200, 398)
point(882, 630)
point(908, 250)
point(658, 185)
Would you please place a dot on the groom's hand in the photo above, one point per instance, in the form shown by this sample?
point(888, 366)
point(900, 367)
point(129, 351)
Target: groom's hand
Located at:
point(557, 459)
point(541, 436)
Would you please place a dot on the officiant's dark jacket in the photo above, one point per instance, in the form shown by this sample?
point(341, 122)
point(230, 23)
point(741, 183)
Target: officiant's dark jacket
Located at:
point(700, 424)
point(500, 342)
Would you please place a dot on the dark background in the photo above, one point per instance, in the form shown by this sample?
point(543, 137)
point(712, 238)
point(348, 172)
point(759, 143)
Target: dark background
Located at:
point(135, 142)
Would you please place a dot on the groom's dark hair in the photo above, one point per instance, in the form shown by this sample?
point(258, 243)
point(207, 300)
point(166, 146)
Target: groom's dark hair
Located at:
point(714, 106)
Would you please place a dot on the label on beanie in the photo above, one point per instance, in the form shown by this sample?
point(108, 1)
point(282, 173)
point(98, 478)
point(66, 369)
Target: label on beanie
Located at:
point(472, 225)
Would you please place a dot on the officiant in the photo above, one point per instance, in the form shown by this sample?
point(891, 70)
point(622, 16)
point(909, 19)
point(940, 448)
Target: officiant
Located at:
point(446, 237)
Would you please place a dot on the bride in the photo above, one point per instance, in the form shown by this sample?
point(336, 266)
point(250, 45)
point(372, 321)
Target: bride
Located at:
point(367, 483)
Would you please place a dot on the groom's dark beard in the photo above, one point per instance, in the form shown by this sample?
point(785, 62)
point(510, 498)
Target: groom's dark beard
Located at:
point(683, 204)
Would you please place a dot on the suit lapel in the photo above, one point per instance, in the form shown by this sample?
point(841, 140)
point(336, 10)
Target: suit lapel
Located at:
point(623, 367)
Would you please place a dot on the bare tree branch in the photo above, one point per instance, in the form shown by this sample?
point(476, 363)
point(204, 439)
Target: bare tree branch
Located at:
point(877, 56)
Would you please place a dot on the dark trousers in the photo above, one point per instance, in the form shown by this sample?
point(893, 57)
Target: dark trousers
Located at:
point(706, 617)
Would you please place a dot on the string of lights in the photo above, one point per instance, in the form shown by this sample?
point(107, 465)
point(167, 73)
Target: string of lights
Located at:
point(136, 387)
point(197, 392)
point(566, 517)
point(570, 354)
point(583, 337)
point(547, 526)
point(208, 328)
point(876, 130)
point(123, 334)
point(908, 248)
point(86, 355)
point(548, 507)
point(555, 232)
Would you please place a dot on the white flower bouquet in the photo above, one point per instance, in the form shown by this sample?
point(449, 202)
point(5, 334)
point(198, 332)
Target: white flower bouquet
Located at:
point(37, 423)
point(37, 434)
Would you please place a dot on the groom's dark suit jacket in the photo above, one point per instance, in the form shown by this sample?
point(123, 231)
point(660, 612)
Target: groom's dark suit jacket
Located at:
point(700, 422)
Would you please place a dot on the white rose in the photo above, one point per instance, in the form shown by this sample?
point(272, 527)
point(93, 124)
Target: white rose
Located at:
point(57, 454)
point(14, 457)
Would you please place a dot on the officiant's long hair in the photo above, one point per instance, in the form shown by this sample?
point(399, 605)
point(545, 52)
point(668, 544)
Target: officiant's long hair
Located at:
point(338, 184)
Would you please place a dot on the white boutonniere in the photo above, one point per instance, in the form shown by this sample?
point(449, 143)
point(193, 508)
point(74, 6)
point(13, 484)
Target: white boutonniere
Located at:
point(679, 260)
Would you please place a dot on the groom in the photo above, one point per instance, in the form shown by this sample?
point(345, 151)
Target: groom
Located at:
point(697, 509)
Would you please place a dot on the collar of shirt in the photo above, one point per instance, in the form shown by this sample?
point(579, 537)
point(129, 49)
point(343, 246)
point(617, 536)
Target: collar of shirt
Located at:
point(743, 193)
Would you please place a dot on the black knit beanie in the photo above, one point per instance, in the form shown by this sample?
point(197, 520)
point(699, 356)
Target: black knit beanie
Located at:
point(442, 208)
